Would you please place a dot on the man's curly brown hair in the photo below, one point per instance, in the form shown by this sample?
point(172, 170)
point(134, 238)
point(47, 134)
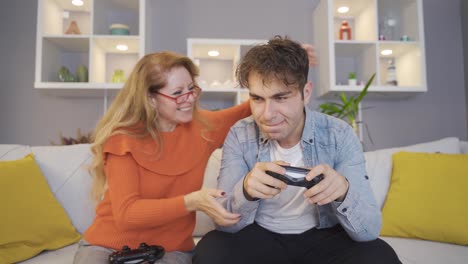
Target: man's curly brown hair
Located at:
point(281, 59)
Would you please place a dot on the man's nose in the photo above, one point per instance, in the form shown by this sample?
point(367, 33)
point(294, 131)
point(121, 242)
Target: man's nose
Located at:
point(269, 110)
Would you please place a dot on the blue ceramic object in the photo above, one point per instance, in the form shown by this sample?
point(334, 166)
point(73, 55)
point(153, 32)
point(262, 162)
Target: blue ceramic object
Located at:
point(119, 29)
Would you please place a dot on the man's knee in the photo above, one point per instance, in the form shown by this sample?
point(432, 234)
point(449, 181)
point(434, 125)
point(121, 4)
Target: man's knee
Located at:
point(214, 247)
point(377, 251)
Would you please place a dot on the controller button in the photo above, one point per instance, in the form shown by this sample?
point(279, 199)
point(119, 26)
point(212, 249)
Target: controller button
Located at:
point(143, 245)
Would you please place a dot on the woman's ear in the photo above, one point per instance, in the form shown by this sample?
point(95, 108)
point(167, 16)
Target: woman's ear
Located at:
point(152, 100)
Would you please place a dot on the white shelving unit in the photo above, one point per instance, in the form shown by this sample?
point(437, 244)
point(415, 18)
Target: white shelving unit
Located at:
point(399, 21)
point(217, 73)
point(94, 48)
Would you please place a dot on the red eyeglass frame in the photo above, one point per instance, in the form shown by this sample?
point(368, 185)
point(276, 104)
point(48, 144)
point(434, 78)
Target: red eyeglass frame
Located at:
point(180, 99)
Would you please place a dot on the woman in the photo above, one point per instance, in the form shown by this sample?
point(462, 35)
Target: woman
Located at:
point(150, 152)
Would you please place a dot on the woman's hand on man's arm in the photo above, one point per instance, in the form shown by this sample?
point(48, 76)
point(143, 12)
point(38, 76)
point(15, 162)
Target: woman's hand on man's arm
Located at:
point(204, 200)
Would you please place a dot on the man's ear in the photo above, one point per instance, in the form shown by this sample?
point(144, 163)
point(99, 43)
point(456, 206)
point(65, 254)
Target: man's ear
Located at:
point(308, 92)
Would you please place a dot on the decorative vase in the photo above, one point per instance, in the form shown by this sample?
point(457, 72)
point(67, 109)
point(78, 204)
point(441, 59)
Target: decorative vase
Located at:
point(118, 76)
point(65, 75)
point(345, 29)
point(73, 28)
point(391, 74)
point(82, 73)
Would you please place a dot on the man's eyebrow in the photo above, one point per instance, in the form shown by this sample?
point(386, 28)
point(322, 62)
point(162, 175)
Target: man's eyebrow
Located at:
point(280, 94)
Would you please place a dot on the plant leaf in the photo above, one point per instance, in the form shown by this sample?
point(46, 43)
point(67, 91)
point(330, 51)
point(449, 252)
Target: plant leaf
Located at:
point(343, 98)
point(364, 91)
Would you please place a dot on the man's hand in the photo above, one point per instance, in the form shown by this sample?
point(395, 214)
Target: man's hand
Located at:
point(333, 187)
point(204, 200)
point(310, 53)
point(258, 184)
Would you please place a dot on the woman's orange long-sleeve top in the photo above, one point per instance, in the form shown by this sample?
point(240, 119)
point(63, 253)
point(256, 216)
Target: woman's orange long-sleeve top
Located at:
point(144, 201)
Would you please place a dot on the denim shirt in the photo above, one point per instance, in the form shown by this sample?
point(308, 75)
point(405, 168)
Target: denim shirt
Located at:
point(325, 140)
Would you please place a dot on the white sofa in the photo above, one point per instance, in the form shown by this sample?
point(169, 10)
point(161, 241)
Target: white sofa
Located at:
point(64, 168)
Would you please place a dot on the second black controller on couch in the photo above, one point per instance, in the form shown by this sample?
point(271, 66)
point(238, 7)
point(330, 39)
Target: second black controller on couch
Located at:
point(300, 181)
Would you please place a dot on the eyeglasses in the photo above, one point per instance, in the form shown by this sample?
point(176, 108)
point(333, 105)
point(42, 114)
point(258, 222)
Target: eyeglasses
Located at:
point(195, 92)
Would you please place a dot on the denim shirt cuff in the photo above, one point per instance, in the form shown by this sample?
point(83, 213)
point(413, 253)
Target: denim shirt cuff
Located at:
point(347, 206)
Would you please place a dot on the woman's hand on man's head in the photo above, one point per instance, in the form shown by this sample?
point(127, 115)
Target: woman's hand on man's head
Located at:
point(310, 53)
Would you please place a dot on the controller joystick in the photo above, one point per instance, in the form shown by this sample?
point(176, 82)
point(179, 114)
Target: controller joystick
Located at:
point(143, 246)
point(125, 249)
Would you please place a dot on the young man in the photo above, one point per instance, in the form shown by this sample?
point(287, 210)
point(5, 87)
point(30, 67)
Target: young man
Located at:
point(335, 221)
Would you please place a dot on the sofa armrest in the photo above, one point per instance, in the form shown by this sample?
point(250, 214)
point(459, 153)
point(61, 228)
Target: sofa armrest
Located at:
point(464, 147)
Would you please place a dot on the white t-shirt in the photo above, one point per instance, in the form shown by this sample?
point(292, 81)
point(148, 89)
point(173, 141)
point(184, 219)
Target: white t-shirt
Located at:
point(287, 212)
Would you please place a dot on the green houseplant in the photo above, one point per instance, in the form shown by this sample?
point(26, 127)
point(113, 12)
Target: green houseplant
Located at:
point(348, 108)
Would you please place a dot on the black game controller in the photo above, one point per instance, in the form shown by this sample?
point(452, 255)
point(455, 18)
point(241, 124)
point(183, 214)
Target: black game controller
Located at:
point(291, 177)
point(143, 253)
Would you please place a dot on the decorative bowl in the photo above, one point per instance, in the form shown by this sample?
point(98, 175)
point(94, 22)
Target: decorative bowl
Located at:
point(119, 29)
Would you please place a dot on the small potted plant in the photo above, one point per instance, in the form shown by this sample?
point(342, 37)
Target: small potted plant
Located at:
point(352, 79)
point(348, 108)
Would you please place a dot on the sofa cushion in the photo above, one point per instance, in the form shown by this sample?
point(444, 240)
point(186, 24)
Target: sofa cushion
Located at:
point(13, 152)
point(32, 219)
point(204, 223)
point(415, 251)
point(427, 197)
point(379, 162)
point(65, 168)
point(60, 256)
point(464, 146)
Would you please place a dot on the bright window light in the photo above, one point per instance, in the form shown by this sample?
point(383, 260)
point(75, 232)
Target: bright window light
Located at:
point(77, 2)
point(386, 52)
point(213, 53)
point(122, 47)
point(343, 9)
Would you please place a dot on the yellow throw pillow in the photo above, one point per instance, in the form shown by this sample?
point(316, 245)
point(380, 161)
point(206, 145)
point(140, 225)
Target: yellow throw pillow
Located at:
point(32, 220)
point(428, 197)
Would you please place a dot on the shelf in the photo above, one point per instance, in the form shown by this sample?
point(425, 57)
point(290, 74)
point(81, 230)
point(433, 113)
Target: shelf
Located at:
point(399, 18)
point(70, 52)
point(405, 57)
point(116, 12)
point(361, 18)
point(60, 13)
point(107, 59)
point(94, 48)
point(77, 85)
point(376, 25)
point(75, 89)
point(357, 58)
